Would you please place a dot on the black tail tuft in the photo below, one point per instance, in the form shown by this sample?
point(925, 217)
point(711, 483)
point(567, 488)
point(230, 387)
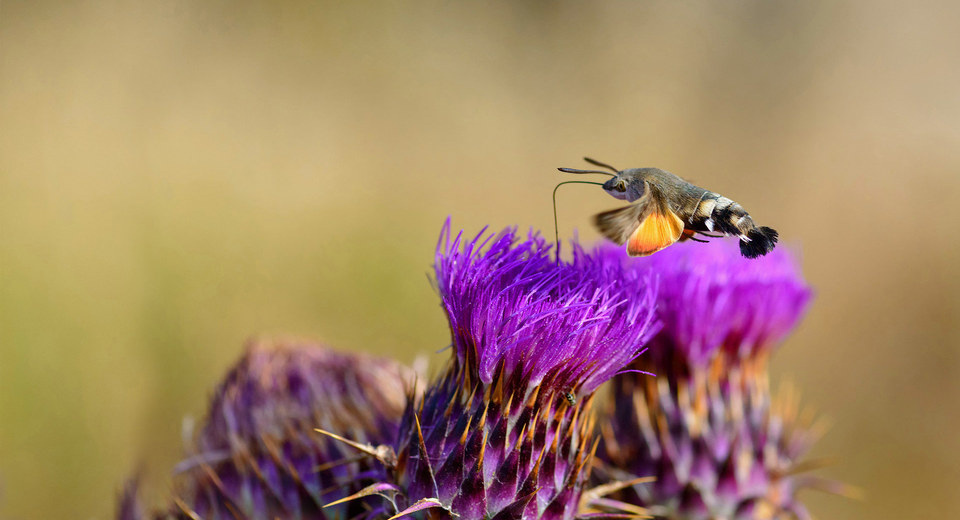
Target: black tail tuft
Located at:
point(762, 241)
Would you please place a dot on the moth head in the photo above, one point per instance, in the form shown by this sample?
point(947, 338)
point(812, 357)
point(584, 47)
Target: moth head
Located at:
point(624, 187)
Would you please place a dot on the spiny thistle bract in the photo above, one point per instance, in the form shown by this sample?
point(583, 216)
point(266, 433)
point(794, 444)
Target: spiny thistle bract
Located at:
point(258, 456)
point(706, 428)
point(505, 431)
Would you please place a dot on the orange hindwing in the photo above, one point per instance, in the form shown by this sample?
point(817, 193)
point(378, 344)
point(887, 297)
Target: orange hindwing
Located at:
point(659, 229)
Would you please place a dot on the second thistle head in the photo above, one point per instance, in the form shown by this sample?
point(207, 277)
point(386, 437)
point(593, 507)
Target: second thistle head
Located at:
point(707, 428)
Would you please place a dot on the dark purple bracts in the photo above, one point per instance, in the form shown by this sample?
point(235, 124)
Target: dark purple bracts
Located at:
point(258, 456)
point(505, 431)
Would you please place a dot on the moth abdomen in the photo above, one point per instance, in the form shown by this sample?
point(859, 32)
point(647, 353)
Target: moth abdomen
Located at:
point(761, 241)
point(730, 218)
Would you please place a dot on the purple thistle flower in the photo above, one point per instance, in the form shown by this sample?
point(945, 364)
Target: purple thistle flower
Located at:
point(712, 298)
point(505, 431)
point(707, 427)
point(258, 456)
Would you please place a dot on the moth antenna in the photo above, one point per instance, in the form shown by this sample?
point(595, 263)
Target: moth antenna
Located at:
point(556, 226)
point(574, 170)
point(600, 164)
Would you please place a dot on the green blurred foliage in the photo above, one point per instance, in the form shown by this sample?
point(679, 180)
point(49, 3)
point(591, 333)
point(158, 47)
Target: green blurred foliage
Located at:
point(176, 177)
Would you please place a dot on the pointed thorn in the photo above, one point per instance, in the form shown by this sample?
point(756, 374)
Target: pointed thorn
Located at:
point(375, 489)
point(424, 503)
point(383, 453)
point(606, 489)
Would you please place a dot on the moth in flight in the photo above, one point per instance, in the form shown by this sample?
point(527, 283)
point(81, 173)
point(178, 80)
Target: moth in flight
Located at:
point(665, 209)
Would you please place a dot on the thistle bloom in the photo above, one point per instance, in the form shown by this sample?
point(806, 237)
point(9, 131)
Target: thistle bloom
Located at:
point(504, 432)
point(712, 298)
point(258, 456)
point(706, 427)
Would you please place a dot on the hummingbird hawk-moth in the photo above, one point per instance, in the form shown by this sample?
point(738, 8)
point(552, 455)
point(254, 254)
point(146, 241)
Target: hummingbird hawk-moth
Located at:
point(665, 209)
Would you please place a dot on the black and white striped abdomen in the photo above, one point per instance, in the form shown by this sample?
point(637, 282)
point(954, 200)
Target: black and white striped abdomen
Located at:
point(718, 213)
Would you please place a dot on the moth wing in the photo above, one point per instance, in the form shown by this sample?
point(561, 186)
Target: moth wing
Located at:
point(619, 224)
point(658, 229)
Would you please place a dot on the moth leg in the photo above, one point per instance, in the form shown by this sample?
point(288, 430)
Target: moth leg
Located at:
point(688, 234)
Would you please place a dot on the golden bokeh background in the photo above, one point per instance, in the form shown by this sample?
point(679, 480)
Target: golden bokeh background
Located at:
point(178, 176)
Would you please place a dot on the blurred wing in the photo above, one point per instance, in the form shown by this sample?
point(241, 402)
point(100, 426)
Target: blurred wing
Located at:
point(619, 224)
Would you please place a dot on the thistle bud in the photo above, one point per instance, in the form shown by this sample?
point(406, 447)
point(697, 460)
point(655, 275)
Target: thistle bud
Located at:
point(258, 454)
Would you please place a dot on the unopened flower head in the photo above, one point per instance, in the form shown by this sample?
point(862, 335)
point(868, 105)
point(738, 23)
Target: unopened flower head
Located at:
point(504, 432)
point(258, 455)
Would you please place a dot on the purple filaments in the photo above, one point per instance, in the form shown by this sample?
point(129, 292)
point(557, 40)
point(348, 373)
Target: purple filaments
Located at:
point(712, 298)
point(512, 307)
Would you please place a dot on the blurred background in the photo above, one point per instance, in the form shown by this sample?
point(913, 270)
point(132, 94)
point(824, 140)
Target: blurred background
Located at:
point(178, 176)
